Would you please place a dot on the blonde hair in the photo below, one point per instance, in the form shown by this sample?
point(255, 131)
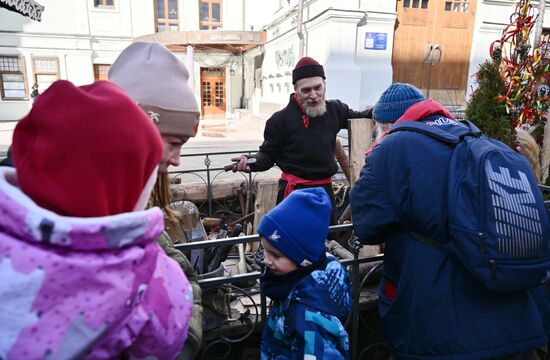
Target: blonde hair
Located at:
point(530, 149)
point(160, 196)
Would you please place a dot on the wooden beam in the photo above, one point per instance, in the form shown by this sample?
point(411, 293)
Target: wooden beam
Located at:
point(221, 189)
point(360, 140)
point(266, 197)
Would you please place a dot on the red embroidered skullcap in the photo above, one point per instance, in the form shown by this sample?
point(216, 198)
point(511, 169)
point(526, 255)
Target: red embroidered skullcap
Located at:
point(307, 67)
point(85, 151)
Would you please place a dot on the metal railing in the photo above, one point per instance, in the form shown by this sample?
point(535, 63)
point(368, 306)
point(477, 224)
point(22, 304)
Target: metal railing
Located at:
point(248, 324)
point(213, 171)
point(209, 174)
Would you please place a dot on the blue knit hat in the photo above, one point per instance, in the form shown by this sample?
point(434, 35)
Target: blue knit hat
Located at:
point(394, 101)
point(298, 226)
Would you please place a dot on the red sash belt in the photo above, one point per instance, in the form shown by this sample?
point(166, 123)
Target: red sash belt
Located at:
point(292, 181)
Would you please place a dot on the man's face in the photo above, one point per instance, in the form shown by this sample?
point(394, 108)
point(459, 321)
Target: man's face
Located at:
point(311, 92)
point(171, 153)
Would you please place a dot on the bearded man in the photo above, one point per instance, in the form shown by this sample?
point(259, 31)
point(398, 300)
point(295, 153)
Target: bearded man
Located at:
point(301, 138)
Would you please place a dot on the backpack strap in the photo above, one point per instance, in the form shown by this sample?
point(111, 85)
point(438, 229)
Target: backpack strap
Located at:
point(427, 240)
point(436, 132)
point(473, 130)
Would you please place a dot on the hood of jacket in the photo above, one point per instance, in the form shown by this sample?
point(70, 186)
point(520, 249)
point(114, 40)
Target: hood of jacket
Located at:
point(25, 220)
point(76, 287)
point(326, 290)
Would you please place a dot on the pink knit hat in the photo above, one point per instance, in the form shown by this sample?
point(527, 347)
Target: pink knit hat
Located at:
point(157, 80)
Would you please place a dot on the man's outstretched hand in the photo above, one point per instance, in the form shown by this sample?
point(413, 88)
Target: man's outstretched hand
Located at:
point(240, 163)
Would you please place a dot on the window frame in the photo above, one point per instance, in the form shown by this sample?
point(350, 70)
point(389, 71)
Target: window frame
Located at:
point(23, 71)
point(166, 21)
point(545, 35)
point(104, 5)
point(210, 24)
point(457, 6)
point(35, 73)
point(409, 4)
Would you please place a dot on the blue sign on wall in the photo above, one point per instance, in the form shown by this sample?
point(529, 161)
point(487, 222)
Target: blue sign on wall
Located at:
point(376, 41)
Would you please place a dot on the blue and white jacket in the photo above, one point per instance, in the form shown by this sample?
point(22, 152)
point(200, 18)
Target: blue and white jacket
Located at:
point(307, 323)
point(430, 306)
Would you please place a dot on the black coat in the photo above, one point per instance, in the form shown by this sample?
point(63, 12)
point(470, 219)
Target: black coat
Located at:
point(304, 152)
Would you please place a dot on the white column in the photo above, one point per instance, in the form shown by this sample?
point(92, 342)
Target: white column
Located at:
point(190, 63)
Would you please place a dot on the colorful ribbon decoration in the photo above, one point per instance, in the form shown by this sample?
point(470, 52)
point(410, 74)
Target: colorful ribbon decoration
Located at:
point(525, 73)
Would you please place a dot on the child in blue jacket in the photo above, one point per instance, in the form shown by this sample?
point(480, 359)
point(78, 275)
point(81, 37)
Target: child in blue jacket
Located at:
point(310, 290)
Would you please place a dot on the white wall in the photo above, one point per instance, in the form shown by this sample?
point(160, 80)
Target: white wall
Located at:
point(336, 51)
point(75, 32)
point(233, 15)
point(375, 65)
point(190, 15)
point(334, 34)
point(258, 13)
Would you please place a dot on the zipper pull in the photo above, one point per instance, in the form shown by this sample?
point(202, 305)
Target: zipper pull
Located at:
point(482, 247)
point(493, 269)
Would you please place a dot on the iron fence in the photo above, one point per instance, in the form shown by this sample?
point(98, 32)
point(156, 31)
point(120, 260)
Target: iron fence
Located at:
point(234, 331)
point(210, 173)
point(213, 171)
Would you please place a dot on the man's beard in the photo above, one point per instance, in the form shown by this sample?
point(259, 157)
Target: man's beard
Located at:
point(314, 111)
point(380, 129)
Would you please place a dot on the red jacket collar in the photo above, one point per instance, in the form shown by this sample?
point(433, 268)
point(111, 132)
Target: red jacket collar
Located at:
point(422, 109)
point(416, 112)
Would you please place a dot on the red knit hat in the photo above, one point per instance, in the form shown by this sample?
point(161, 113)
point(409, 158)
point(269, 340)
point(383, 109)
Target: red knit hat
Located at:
point(307, 67)
point(85, 151)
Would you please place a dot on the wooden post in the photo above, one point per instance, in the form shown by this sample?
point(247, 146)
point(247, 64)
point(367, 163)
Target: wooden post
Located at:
point(360, 140)
point(266, 197)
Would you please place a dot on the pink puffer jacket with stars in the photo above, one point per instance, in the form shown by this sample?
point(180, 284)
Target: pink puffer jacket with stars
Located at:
point(90, 288)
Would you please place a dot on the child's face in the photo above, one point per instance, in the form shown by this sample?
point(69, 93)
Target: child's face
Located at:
point(277, 263)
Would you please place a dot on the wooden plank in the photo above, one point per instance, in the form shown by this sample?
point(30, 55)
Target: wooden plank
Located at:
point(266, 197)
point(196, 191)
point(360, 140)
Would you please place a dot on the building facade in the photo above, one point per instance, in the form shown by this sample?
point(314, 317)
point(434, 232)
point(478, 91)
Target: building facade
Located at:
point(365, 45)
point(78, 40)
point(241, 53)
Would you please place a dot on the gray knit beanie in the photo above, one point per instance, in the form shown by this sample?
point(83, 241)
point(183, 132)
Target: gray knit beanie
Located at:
point(157, 80)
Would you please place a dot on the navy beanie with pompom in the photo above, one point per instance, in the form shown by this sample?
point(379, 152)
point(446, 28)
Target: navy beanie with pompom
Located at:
point(298, 226)
point(394, 101)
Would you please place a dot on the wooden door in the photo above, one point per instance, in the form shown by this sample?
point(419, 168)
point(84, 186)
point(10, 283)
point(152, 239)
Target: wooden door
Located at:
point(213, 93)
point(101, 71)
point(432, 46)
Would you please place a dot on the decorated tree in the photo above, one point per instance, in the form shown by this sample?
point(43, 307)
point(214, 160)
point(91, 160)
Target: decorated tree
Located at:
point(514, 89)
point(485, 109)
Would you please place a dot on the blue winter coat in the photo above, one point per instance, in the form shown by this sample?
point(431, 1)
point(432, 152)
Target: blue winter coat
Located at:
point(307, 322)
point(438, 310)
